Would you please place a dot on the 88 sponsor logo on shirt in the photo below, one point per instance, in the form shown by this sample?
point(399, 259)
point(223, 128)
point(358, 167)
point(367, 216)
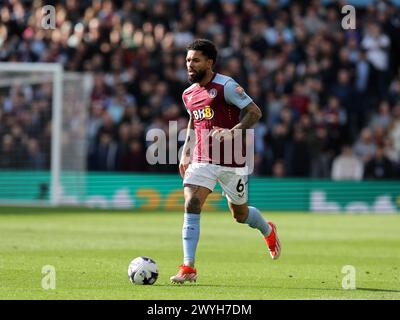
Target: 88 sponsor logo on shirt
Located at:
point(204, 113)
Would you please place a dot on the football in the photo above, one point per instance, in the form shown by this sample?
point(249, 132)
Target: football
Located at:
point(143, 270)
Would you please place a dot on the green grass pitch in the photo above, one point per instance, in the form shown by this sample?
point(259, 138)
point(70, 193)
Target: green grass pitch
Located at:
point(91, 250)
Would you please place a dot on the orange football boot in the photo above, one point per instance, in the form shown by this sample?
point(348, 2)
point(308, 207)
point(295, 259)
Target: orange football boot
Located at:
point(185, 273)
point(273, 243)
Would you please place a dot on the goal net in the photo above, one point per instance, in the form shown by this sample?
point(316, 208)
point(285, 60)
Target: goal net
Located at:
point(43, 113)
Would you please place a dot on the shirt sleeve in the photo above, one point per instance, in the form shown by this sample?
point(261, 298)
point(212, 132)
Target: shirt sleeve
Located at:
point(235, 94)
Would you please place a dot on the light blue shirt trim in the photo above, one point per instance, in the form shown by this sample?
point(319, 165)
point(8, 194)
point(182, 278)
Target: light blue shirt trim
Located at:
point(221, 79)
point(235, 96)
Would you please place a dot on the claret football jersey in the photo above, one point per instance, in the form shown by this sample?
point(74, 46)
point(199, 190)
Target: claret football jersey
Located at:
point(217, 104)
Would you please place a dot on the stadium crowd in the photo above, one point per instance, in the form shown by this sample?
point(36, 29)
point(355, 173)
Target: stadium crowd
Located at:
point(330, 97)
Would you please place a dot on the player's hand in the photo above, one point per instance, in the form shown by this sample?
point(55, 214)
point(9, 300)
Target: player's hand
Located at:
point(183, 165)
point(221, 134)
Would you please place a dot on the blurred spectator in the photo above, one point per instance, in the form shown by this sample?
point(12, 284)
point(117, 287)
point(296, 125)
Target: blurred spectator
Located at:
point(379, 167)
point(335, 115)
point(392, 154)
point(394, 130)
point(321, 154)
point(346, 166)
point(260, 132)
point(360, 107)
point(278, 169)
point(383, 118)
point(104, 155)
point(134, 159)
point(8, 156)
point(365, 147)
point(36, 159)
point(273, 109)
point(312, 21)
point(299, 155)
point(394, 91)
point(279, 141)
point(334, 119)
point(377, 45)
point(343, 89)
point(299, 100)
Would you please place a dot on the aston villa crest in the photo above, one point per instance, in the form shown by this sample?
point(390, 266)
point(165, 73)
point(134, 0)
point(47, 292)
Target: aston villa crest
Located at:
point(212, 93)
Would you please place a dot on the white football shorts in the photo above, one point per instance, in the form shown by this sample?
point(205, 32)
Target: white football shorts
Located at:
point(233, 181)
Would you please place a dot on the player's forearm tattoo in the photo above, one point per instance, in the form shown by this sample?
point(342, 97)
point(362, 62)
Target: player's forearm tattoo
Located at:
point(249, 117)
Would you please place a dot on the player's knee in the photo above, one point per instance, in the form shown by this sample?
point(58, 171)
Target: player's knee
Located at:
point(240, 217)
point(193, 205)
point(239, 213)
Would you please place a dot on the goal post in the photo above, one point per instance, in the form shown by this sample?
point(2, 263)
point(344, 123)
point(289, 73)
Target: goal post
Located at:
point(69, 97)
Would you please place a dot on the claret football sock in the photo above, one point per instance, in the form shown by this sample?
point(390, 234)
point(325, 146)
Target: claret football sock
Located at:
point(190, 237)
point(257, 221)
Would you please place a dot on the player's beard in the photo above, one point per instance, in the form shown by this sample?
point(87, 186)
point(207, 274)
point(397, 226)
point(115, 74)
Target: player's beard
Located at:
point(197, 76)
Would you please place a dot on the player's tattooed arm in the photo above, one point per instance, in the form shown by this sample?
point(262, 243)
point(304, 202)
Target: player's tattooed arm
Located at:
point(249, 116)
